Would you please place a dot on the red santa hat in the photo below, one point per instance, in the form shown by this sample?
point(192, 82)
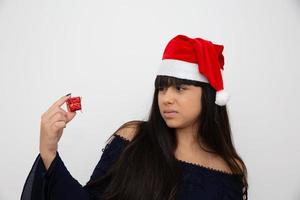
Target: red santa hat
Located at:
point(195, 59)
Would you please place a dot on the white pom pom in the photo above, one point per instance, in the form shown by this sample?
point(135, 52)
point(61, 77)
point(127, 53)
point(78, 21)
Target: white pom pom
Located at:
point(222, 97)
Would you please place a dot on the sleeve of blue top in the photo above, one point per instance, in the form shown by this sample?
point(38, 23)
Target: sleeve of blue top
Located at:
point(57, 183)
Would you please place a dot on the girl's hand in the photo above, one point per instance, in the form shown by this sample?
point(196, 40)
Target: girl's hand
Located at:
point(53, 122)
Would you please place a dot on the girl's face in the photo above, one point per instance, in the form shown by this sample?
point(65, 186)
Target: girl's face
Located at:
point(180, 106)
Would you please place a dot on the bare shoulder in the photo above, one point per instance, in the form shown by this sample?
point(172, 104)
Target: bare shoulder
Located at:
point(128, 130)
point(222, 165)
point(239, 163)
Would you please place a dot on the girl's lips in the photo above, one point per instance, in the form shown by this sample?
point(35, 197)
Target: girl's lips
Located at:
point(170, 114)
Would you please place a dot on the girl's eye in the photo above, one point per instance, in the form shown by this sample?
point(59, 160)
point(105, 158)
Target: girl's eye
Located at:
point(180, 87)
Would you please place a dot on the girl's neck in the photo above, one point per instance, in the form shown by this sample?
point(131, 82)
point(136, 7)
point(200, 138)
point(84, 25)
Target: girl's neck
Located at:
point(188, 140)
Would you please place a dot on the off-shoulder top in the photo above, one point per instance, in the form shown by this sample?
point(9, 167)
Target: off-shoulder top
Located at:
point(56, 183)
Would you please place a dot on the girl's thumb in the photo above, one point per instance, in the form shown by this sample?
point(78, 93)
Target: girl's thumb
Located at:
point(70, 116)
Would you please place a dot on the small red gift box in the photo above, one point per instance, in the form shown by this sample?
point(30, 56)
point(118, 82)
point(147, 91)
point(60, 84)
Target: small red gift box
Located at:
point(73, 104)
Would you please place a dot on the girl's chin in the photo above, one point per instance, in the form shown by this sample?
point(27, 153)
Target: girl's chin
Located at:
point(171, 123)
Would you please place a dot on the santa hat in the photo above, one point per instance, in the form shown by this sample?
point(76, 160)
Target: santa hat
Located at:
point(195, 59)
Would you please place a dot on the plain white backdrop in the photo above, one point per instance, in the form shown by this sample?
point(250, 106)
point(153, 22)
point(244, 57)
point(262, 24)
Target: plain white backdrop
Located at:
point(108, 52)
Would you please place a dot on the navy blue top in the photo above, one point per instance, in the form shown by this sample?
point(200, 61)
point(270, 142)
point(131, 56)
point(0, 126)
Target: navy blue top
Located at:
point(56, 183)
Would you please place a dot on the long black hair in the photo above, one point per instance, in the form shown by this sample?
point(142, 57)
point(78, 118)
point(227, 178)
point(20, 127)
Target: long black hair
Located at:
point(148, 161)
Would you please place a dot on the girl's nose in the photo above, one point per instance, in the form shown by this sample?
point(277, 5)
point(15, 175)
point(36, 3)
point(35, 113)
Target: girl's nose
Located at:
point(168, 96)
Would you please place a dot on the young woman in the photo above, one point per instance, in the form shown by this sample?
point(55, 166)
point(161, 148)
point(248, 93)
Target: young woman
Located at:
point(183, 151)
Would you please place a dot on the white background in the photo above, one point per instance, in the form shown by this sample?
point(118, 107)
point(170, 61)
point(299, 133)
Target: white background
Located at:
point(108, 53)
